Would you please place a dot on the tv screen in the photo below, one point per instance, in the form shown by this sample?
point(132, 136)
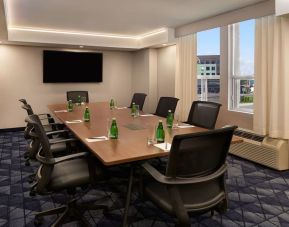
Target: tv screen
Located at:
point(71, 67)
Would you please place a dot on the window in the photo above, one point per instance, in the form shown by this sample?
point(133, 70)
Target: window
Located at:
point(241, 72)
point(208, 51)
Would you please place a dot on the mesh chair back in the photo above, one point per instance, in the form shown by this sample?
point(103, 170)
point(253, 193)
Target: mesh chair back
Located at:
point(138, 99)
point(41, 134)
point(165, 104)
point(204, 114)
point(72, 95)
point(199, 154)
point(28, 108)
point(44, 173)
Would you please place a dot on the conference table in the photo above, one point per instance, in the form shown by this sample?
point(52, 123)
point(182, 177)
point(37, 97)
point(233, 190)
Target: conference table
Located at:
point(134, 132)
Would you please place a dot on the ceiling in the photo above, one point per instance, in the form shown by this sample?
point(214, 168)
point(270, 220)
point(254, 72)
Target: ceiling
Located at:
point(113, 18)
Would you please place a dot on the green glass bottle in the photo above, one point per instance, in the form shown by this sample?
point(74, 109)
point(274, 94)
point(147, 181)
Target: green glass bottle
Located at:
point(113, 129)
point(69, 106)
point(86, 114)
point(78, 100)
point(160, 133)
point(111, 104)
point(170, 119)
point(133, 109)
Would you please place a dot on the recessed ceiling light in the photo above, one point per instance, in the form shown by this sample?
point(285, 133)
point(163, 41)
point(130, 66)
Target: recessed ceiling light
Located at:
point(80, 46)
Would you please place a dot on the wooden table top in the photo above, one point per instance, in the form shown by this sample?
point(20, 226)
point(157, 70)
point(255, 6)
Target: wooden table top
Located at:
point(133, 132)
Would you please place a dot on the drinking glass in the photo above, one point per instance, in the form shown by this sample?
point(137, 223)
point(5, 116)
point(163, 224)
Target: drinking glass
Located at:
point(151, 138)
point(176, 121)
point(83, 100)
point(108, 125)
point(136, 114)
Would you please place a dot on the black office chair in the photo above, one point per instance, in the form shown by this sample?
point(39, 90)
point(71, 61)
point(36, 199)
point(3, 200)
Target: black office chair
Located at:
point(73, 95)
point(138, 99)
point(165, 104)
point(64, 173)
point(195, 175)
point(204, 114)
point(55, 131)
point(43, 116)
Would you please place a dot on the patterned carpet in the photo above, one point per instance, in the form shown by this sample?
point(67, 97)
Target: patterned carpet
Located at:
point(258, 196)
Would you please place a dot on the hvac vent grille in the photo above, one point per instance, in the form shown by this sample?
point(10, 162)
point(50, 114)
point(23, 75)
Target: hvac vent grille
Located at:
point(249, 135)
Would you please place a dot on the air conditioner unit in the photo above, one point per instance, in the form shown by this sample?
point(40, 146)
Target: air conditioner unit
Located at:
point(263, 150)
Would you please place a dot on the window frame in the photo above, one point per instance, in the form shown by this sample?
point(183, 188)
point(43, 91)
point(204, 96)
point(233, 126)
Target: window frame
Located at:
point(234, 85)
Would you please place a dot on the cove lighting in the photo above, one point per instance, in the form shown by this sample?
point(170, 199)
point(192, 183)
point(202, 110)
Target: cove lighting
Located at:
point(42, 30)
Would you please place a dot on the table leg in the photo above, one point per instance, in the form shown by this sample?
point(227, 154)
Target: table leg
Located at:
point(128, 196)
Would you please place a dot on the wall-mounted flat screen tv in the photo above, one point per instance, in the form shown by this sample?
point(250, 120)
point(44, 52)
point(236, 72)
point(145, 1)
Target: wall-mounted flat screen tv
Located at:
point(71, 67)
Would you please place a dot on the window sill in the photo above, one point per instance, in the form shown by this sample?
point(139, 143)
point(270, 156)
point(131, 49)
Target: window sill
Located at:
point(243, 111)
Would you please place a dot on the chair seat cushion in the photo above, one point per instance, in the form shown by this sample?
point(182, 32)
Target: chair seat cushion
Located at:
point(194, 199)
point(70, 174)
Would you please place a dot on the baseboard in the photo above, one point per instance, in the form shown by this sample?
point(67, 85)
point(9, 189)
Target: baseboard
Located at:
point(12, 129)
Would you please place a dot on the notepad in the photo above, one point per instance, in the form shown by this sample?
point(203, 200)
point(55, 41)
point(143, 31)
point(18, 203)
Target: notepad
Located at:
point(73, 121)
point(60, 111)
point(163, 146)
point(96, 139)
point(186, 126)
point(146, 115)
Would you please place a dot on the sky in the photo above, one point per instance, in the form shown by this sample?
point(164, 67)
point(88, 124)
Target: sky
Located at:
point(208, 43)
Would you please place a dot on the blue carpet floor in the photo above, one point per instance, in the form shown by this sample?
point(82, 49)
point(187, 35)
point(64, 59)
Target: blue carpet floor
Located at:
point(258, 196)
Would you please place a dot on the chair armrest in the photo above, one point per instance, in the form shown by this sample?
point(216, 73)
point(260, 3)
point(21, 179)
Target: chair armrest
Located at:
point(56, 132)
point(72, 156)
point(63, 141)
point(44, 114)
point(33, 134)
point(52, 161)
point(178, 180)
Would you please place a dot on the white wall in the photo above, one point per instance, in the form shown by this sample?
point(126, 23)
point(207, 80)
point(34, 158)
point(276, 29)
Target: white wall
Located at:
point(21, 77)
point(166, 71)
point(154, 74)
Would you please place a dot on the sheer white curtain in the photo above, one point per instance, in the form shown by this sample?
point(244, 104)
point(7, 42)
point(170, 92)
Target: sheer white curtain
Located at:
point(271, 94)
point(186, 74)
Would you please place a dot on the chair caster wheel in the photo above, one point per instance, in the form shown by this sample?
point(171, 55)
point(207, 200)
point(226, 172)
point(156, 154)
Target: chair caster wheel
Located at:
point(30, 181)
point(38, 221)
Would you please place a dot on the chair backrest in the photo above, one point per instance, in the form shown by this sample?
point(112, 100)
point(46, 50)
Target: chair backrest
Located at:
point(138, 99)
point(43, 176)
point(28, 109)
point(23, 101)
point(204, 114)
point(72, 95)
point(199, 154)
point(41, 134)
point(165, 104)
